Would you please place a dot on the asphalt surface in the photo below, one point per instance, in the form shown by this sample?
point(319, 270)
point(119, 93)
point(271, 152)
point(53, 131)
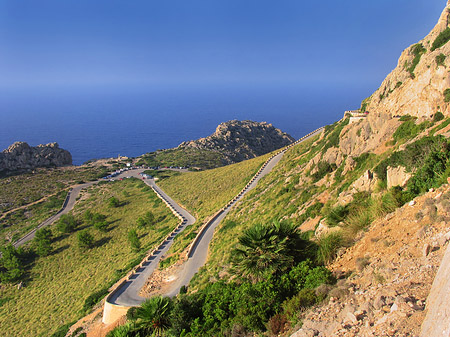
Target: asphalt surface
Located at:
point(128, 294)
point(68, 205)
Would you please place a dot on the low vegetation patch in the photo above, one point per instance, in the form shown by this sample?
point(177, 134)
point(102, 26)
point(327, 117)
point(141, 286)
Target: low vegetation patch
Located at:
point(260, 296)
point(441, 39)
point(440, 59)
point(417, 50)
point(182, 157)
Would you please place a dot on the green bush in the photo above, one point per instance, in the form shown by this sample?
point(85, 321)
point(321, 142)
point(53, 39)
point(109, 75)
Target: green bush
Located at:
point(12, 266)
point(336, 215)
point(323, 167)
point(147, 220)
point(133, 239)
point(85, 239)
point(332, 140)
point(447, 95)
point(440, 59)
point(304, 299)
point(438, 116)
point(328, 246)
point(43, 240)
point(441, 39)
point(113, 202)
point(418, 50)
point(66, 223)
point(409, 129)
point(431, 174)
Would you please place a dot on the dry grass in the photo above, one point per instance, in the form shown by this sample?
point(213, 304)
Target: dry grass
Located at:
point(58, 285)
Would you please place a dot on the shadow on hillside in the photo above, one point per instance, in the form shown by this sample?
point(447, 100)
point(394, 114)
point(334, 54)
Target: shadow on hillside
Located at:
point(59, 250)
point(102, 241)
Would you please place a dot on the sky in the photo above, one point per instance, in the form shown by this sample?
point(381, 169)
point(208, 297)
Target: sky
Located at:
point(67, 44)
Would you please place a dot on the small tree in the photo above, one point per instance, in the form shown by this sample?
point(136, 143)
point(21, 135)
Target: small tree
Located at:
point(133, 238)
point(11, 264)
point(85, 239)
point(101, 226)
point(147, 220)
point(113, 202)
point(43, 240)
point(66, 224)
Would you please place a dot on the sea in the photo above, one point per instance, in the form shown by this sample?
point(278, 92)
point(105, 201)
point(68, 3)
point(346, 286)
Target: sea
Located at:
point(108, 121)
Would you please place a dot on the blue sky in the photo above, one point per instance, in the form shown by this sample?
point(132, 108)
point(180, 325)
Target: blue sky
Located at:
point(70, 43)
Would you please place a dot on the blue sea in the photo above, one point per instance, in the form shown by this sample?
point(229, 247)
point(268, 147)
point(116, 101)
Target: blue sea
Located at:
point(103, 122)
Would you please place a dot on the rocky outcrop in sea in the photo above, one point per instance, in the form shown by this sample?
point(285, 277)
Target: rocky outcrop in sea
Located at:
point(21, 156)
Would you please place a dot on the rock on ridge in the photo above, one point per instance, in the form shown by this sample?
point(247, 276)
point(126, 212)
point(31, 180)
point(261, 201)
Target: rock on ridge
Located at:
point(241, 140)
point(21, 156)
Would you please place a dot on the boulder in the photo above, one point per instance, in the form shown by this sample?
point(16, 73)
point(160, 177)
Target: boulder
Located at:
point(397, 176)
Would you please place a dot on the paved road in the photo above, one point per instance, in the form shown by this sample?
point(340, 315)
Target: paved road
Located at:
point(128, 294)
point(71, 198)
point(199, 252)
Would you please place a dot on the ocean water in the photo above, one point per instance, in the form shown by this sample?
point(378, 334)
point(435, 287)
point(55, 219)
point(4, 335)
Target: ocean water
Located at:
point(105, 122)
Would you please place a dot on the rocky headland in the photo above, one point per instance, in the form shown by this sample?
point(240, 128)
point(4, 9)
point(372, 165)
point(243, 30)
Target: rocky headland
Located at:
point(241, 140)
point(21, 156)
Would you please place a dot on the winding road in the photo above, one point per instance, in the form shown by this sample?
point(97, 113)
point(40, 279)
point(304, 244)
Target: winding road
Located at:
point(68, 205)
point(127, 294)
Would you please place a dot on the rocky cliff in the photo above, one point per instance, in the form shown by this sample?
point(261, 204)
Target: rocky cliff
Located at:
point(417, 86)
point(241, 140)
point(21, 156)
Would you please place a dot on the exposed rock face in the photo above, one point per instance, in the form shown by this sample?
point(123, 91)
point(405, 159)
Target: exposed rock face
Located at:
point(417, 91)
point(241, 140)
point(21, 156)
point(397, 176)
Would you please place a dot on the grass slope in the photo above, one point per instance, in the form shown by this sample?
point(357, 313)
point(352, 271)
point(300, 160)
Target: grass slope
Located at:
point(58, 285)
point(204, 193)
point(27, 199)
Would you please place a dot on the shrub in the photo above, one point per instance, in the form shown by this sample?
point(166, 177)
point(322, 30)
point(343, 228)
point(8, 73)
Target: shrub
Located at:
point(431, 174)
point(323, 167)
point(336, 215)
point(85, 239)
point(101, 226)
point(438, 116)
point(409, 129)
point(440, 59)
point(113, 202)
point(66, 224)
point(43, 240)
point(447, 95)
point(11, 264)
point(133, 239)
point(333, 138)
point(147, 220)
point(317, 276)
point(418, 50)
point(304, 299)
point(328, 246)
point(441, 39)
